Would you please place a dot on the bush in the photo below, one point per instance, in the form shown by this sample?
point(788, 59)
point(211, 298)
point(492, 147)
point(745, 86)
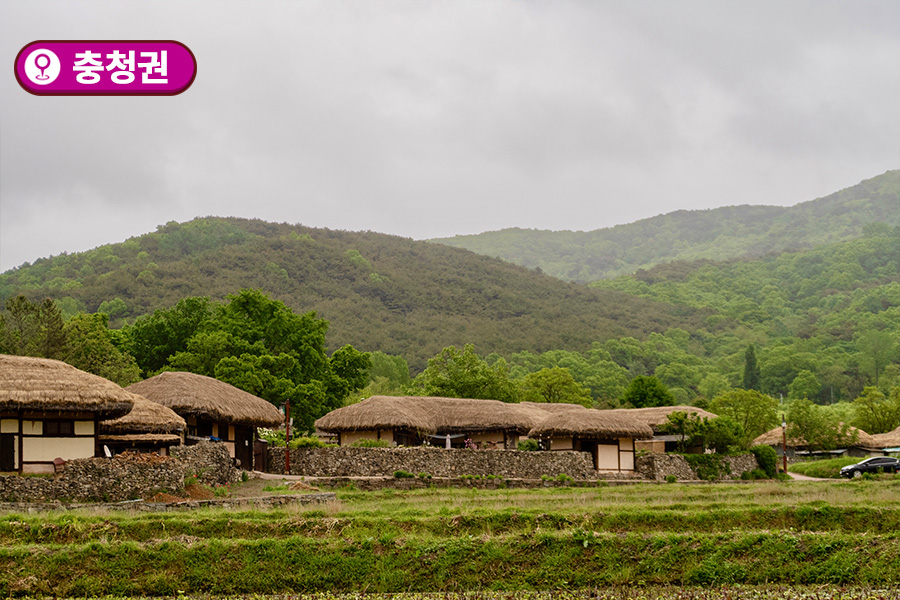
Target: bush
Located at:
point(528, 445)
point(403, 475)
point(307, 442)
point(767, 459)
point(708, 467)
point(371, 444)
point(671, 479)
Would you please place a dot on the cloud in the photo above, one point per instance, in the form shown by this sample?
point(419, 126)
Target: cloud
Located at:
point(434, 118)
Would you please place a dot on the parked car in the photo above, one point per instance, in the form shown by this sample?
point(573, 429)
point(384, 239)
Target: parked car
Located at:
point(876, 464)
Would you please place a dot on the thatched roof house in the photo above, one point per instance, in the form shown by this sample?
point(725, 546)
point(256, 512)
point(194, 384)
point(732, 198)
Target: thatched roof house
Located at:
point(891, 439)
point(212, 409)
point(48, 386)
point(864, 445)
point(149, 427)
point(50, 410)
point(657, 416)
point(409, 420)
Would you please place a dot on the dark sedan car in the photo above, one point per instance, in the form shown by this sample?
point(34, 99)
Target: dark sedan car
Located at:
point(876, 464)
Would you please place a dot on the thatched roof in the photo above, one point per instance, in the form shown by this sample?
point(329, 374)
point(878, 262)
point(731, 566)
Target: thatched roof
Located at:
point(192, 395)
point(429, 415)
point(145, 417)
point(773, 437)
point(379, 412)
point(45, 385)
point(166, 438)
point(607, 424)
point(656, 416)
point(891, 439)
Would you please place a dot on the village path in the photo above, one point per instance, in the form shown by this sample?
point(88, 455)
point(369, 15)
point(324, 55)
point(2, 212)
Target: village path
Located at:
point(799, 477)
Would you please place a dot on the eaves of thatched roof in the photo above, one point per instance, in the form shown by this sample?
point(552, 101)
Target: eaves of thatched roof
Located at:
point(145, 417)
point(774, 437)
point(430, 415)
point(656, 416)
point(52, 386)
point(891, 439)
point(606, 424)
point(192, 395)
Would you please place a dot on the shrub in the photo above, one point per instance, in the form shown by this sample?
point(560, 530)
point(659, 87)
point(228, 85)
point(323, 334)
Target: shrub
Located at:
point(671, 479)
point(528, 445)
point(403, 474)
point(766, 458)
point(562, 477)
point(708, 467)
point(307, 442)
point(371, 444)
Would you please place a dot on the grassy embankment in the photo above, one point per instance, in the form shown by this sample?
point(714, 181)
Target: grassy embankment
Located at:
point(457, 540)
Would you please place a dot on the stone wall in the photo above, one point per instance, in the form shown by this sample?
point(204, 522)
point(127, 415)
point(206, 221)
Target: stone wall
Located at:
point(207, 461)
point(126, 476)
point(437, 462)
point(659, 466)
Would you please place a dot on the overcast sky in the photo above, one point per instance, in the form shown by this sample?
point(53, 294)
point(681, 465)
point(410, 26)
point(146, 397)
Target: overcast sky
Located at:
point(428, 119)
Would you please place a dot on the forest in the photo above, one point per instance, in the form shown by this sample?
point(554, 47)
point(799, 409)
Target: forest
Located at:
point(816, 327)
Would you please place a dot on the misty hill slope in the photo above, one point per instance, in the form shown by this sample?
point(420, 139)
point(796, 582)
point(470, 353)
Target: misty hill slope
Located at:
point(379, 292)
point(716, 234)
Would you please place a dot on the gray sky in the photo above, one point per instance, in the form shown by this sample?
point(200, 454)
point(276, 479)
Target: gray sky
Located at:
point(428, 119)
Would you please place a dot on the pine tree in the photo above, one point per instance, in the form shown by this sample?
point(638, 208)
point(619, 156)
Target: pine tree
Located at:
point(751, 369)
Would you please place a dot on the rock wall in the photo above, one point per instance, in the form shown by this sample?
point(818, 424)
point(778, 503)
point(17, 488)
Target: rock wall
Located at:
point(437, 462)
point(207, 461)
point(126, 476)
point(659, 466)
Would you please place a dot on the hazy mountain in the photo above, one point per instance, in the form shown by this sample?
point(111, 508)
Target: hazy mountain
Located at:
point(717, 234)
point(379, 292)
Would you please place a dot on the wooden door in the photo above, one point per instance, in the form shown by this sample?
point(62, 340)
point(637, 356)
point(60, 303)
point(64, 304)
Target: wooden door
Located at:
point(7, 452)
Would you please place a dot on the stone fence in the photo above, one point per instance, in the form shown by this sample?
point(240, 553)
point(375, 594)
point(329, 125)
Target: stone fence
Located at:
point(508, 464)
point(437, 462)
point(127, 476)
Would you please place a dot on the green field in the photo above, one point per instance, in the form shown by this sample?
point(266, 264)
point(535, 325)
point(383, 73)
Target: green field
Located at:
point(654, 540)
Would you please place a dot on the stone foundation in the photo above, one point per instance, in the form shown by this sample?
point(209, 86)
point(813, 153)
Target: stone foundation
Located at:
point(124, 477)
point(437, 462)
point(659, 466)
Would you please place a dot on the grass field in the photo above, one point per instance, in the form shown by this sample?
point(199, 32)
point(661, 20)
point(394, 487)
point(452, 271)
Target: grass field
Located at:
point(696, 538)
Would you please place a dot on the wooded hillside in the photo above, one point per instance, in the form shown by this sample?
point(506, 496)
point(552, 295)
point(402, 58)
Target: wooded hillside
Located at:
point(716, 234)
point(378, 292)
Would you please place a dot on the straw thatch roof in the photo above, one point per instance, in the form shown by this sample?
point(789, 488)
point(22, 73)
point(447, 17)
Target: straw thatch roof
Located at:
point(145, 417)
point(656, 416)
point(891, 439)
point(773, 437)
point(608, 424)
point(429, 415)
point(166, 438)
point(192, 395)
point(380, 412)
point(46, 385)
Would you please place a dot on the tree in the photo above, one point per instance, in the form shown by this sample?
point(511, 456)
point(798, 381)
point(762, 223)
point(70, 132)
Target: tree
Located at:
point(261, 346)
point(877, 349)
point(875, 413)
point(646, 391)
point(689, 427)
point(554, 385)
point(817, 427)
point(31, 329)
point(90, 349)
point(805, 385)
point(153, 339)
point(724, 435)
point(751, 369)
point(752, 410)
point(464, 374)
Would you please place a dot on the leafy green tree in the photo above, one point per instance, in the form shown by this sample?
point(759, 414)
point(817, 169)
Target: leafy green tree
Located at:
point(877, 350)
point(724, 435)
point(875, 413)
point(817, 427)
point(554, 385)
point(261, 346)
point(713, 384)
point(751, 369)
point(646, 391)
point(153, 339)
point(752, 410)
point(32, 329)
point(690, 428)
point(90, 349)
point(805, 385)
point(464, 374)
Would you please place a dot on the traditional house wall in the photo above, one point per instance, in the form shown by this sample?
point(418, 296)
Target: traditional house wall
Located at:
point(347, 438)
point(32, 443)
point(609, 455)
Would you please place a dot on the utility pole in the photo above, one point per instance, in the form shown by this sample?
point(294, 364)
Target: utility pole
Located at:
point(784, 443)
